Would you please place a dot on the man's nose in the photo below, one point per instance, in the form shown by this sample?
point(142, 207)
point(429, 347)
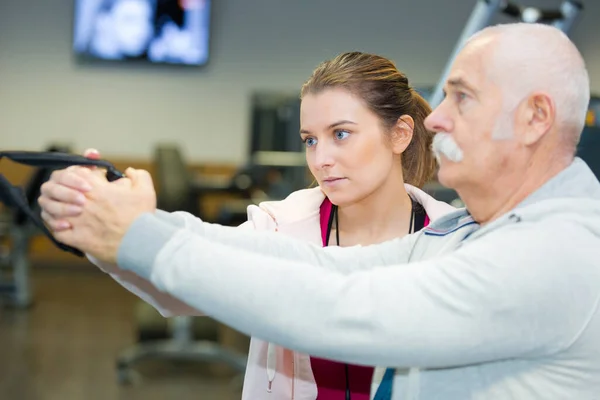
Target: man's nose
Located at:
point(439, 120)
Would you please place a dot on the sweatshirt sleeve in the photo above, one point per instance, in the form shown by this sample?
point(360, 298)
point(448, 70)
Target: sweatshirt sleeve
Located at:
point(164, 303)
point(241, 237)
point(503, 295)
point(290, 248)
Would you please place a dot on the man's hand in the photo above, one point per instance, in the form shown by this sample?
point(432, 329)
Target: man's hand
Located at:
point(63, 195)
point(108, 211)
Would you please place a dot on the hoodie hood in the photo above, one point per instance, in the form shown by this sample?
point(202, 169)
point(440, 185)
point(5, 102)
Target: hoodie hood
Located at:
point(304, 204)
point(298, 215)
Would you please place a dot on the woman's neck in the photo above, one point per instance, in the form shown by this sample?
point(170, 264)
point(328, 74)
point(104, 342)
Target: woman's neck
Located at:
point(383, 215)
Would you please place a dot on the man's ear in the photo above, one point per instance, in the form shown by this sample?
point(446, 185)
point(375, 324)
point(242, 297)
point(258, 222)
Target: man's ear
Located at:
point(538, 115)
point(402, 133)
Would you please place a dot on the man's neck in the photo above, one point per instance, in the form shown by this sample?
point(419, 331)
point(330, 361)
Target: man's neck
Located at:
point(380, 216)
point(498, 198)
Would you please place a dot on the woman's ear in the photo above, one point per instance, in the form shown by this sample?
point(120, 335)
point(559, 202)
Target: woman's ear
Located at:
point(402, 133)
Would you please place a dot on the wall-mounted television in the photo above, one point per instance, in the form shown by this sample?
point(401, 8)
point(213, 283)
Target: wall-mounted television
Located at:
point(153, 31)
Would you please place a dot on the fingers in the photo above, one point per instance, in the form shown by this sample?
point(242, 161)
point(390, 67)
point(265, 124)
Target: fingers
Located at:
point(92, 178)
point(92, 153)
point(56, 191)
point(54, 224)
point(63, 196)
point(61, 209)
point(67, 236)
point(140, 178)
point(70, 178)
point(59, 202)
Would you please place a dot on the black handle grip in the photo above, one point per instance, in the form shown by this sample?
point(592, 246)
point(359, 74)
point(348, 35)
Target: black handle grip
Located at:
point(14, 197)
point(52, 159)
point(60, 160)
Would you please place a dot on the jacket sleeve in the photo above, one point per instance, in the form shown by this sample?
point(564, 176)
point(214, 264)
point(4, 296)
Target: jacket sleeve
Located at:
point(239, 238)
point(290, 248)
point(511, 293)
point(166, 304)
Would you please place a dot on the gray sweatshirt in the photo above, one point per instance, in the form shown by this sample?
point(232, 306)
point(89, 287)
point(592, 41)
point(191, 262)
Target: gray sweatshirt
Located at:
point(505, 311)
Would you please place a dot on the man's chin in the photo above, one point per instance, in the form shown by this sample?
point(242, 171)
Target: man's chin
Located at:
point(444, 159)
point(446, 175)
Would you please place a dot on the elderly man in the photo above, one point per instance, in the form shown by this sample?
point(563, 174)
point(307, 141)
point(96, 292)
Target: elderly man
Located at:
point(497, 301)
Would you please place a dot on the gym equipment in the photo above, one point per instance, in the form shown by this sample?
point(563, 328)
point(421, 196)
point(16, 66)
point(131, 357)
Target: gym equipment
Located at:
point(22, 220)
point(15, 198)
point(593, 115)
point(275, 143)
point(276, 163)
point(588, 148)
point(178, 190)
point(175, 197)
point(564, 18)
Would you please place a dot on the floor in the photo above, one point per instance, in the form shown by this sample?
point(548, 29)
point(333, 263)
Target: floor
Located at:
point(64, 347)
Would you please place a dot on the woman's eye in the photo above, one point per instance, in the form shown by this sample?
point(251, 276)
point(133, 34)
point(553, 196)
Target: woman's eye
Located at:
point(341, 134)
point(310, 142)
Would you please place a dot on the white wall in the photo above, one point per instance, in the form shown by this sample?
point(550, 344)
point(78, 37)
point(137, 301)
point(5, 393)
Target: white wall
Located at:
point(257, 44)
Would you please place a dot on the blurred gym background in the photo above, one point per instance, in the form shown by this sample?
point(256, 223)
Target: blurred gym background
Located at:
point(203, 94)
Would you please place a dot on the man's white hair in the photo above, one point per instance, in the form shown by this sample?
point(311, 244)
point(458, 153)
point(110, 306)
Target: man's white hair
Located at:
point(532, 57)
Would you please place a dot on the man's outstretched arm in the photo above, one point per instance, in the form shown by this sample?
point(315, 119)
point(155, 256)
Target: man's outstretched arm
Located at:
point(351, 259)
point(491, 300)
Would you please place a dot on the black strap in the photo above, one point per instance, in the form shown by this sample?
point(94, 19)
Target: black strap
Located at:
point(417, 222)
point(14, 197)
point(419, 216)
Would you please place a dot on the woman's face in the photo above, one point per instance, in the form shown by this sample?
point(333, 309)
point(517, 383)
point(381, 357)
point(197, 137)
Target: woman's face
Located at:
point(347, 149)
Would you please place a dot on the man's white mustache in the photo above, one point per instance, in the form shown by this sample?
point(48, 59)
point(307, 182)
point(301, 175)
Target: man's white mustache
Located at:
point(444, 144)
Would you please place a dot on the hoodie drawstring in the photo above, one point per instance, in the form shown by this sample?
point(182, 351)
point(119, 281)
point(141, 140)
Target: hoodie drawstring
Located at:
point(271, 364)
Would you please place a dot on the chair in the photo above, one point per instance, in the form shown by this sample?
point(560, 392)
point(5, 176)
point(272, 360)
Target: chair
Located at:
point(177, 191)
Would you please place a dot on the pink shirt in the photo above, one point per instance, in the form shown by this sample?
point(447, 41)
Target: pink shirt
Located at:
point(330, 376)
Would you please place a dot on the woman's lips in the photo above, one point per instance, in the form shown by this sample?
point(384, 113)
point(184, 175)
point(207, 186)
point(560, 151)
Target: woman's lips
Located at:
point(333, 181)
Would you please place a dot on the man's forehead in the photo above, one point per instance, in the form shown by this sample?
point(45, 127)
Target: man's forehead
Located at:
point(460, 79)
point(469, 69)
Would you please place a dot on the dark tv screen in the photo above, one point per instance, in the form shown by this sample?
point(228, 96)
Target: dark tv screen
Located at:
point(155, 31)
